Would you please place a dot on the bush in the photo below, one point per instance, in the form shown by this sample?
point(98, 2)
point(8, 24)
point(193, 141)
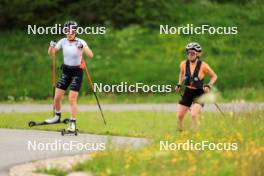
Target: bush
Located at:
point(119, 13)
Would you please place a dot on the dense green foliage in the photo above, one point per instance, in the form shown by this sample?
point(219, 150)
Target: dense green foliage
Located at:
point(119, 13)
point(137, 52)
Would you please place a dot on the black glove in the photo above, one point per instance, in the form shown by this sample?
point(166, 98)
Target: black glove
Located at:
point(178, 87)
point(208, 85)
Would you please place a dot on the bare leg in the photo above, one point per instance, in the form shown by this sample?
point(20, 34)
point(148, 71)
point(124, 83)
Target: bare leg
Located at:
point(73, 95)
point(181, 110)
point(57, 106)
point(195, 110)
point(59, 93)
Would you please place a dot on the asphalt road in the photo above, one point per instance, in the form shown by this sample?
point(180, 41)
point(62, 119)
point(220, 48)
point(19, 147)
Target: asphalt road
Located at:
point(17, 146)
point(26, 108)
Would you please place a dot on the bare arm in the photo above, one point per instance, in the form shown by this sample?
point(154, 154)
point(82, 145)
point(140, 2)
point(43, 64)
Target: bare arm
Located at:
point(88, 52)
point(181, 74)
point(181, 78)
point(212, 75)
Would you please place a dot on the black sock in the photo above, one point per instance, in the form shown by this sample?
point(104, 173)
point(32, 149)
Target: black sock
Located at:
point(58, 114)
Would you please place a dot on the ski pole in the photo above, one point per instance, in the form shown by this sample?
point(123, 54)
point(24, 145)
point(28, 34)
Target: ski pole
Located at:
point(53, 58)
point(219, 109)
point(91, 83)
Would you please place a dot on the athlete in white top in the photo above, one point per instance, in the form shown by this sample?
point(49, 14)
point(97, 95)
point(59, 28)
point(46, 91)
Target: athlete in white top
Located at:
point(73, 49)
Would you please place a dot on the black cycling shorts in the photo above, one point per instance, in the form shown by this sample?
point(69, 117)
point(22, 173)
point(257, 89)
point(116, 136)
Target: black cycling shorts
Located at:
point(190, 96)
point(71, 76)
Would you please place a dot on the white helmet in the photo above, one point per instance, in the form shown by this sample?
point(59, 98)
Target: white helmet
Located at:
point(71, 25)
point(194, 46)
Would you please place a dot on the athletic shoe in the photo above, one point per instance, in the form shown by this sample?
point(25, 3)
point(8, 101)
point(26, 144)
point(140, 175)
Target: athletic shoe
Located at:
point(54, 119)
point(72, 126)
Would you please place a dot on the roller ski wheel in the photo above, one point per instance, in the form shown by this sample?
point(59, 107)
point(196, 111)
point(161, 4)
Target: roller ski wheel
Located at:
point(31, 123)
point(65, 131)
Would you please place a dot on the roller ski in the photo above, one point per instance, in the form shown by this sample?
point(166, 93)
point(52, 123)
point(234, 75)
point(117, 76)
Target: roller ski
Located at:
point(54, 120)
point(72, 129)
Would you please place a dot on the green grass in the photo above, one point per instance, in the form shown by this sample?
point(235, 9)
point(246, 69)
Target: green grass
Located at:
point(121, 123)
point(52, 171)
point(246, 129)
point(139, 123)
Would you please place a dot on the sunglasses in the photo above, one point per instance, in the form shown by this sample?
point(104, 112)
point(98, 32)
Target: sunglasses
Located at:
point(191, 53)
point(71, 31)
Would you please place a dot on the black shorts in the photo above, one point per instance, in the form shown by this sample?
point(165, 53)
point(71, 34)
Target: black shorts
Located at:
point(71, 76)
point(190, 96)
